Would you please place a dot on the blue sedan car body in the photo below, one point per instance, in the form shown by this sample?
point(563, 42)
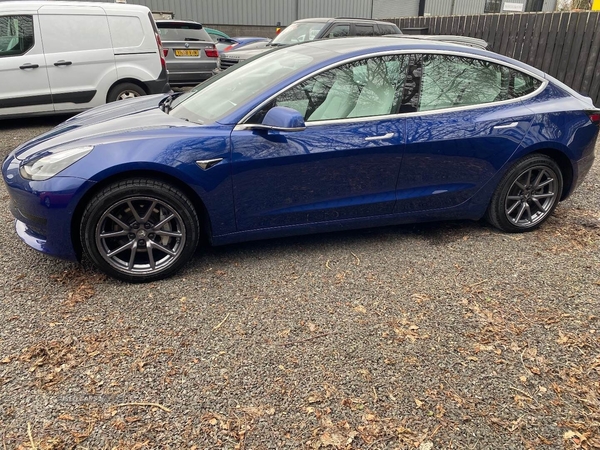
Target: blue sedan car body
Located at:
point(309, 138)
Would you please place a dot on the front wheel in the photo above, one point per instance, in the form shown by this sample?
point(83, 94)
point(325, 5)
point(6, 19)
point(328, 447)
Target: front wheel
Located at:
point(527, 195)
point(139, 230)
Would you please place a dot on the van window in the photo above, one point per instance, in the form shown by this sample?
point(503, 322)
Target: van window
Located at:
point(16, 35)
point(126, 31)
point(71, 33)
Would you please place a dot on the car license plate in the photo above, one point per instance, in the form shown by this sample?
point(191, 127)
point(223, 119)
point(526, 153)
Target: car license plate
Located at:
point(187, 53)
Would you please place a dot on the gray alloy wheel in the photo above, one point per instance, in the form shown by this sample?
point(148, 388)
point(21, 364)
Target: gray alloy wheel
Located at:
point(127, 93)
point(531, 196)
point(527, 195)
point(140, 230)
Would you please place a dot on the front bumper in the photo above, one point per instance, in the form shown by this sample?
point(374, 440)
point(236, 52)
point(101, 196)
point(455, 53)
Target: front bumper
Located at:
point(44, 210)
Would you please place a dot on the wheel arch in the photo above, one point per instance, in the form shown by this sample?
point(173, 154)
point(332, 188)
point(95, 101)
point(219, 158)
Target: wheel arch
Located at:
point(564, 163)
point(201, 211)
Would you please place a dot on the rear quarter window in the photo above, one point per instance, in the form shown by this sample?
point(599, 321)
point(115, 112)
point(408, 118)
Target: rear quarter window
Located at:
point(126, 31)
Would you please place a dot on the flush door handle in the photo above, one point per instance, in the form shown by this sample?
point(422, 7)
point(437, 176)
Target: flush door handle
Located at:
point(508, 125)
point(380, 138)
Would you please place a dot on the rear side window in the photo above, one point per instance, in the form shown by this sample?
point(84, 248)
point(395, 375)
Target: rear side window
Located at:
point(16, 35)
point(182, 31)
point(364, 30)
point(388, 29)
point(449, 81)
point(126, 31)
point(72, 33)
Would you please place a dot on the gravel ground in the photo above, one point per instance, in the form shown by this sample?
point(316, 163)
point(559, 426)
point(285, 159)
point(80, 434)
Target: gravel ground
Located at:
point(446, 335)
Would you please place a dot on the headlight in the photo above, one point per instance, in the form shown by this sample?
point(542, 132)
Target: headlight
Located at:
point(48, 165)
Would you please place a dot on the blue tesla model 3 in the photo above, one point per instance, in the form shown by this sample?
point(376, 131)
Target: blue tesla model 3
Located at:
point(309, 138)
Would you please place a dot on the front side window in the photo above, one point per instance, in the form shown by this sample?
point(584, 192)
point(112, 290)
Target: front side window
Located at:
point(298, 32)
point(16, 35)
point(364, 88)
point(339, 31)
point(449, 81)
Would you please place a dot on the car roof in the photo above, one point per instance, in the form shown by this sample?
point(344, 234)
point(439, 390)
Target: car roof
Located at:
point(345, 19)
point(348, 47)
point(34, 5)
point(177, 21)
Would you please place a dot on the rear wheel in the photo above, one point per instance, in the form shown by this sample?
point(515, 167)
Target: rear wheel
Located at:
point(139, 230)
point(123, 91)
point(527, 195)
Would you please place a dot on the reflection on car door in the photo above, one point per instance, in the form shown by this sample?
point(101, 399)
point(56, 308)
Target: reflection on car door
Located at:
point(79, 55)
point(24, 88)
point(343, 166)
point(451, 155)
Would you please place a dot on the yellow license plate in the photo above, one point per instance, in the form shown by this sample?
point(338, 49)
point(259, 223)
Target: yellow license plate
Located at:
point(187, 53)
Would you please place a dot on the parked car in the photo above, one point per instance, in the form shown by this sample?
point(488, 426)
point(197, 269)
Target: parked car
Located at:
point(190, 52)
point(307, 30)
point(304, 139)
point(64, 57)
point(239, 42)
point(453, 39)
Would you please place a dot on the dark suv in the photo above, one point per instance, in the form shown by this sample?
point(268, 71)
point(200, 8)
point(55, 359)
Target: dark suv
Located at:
point(309, 29)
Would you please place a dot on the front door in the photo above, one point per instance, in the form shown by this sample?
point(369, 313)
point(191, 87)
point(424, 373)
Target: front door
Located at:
point(24, 84)
point(343, 166)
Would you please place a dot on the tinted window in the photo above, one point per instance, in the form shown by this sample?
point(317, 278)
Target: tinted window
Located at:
point(388, 29)
point(299, 32)
point(451, 81)
point(364, 30)
point(16, 35)
point(339, 31)
point(364, 88)
point(182, 31)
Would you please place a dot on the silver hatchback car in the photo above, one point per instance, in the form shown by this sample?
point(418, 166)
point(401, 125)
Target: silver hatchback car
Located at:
point(190, 53)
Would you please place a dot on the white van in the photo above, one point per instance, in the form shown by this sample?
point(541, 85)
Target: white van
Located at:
point(62, 56)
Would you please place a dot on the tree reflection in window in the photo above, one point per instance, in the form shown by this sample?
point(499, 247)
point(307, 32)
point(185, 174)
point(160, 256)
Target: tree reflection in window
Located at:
point(451, 81)
point(368, 87)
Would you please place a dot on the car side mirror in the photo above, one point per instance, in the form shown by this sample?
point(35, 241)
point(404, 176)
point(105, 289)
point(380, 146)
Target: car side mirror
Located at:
point(281, 118)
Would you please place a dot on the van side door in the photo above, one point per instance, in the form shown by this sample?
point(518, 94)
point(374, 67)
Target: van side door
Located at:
point(24, 88)
point(79, 55)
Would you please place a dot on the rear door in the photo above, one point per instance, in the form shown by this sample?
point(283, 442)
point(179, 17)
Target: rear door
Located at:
point(24, 86)
point(465, 121)
point(79, 55)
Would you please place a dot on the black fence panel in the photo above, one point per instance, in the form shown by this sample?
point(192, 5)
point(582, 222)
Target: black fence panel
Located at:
point(565, 45)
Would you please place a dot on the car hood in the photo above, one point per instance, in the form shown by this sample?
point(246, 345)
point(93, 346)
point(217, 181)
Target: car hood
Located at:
point(244, 53)
point(103, 125)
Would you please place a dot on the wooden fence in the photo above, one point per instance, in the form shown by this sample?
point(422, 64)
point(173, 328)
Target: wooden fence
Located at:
point(565, 45)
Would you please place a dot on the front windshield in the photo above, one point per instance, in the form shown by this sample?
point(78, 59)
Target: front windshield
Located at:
point(298, 32)
point(221, 95)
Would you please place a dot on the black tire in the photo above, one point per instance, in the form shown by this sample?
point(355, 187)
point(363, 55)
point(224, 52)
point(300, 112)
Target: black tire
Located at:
point(124, 90)
point(527, 195)
point(139, 230)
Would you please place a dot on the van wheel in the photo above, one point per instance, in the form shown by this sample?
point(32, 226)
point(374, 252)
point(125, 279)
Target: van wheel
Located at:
point(124, 91)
